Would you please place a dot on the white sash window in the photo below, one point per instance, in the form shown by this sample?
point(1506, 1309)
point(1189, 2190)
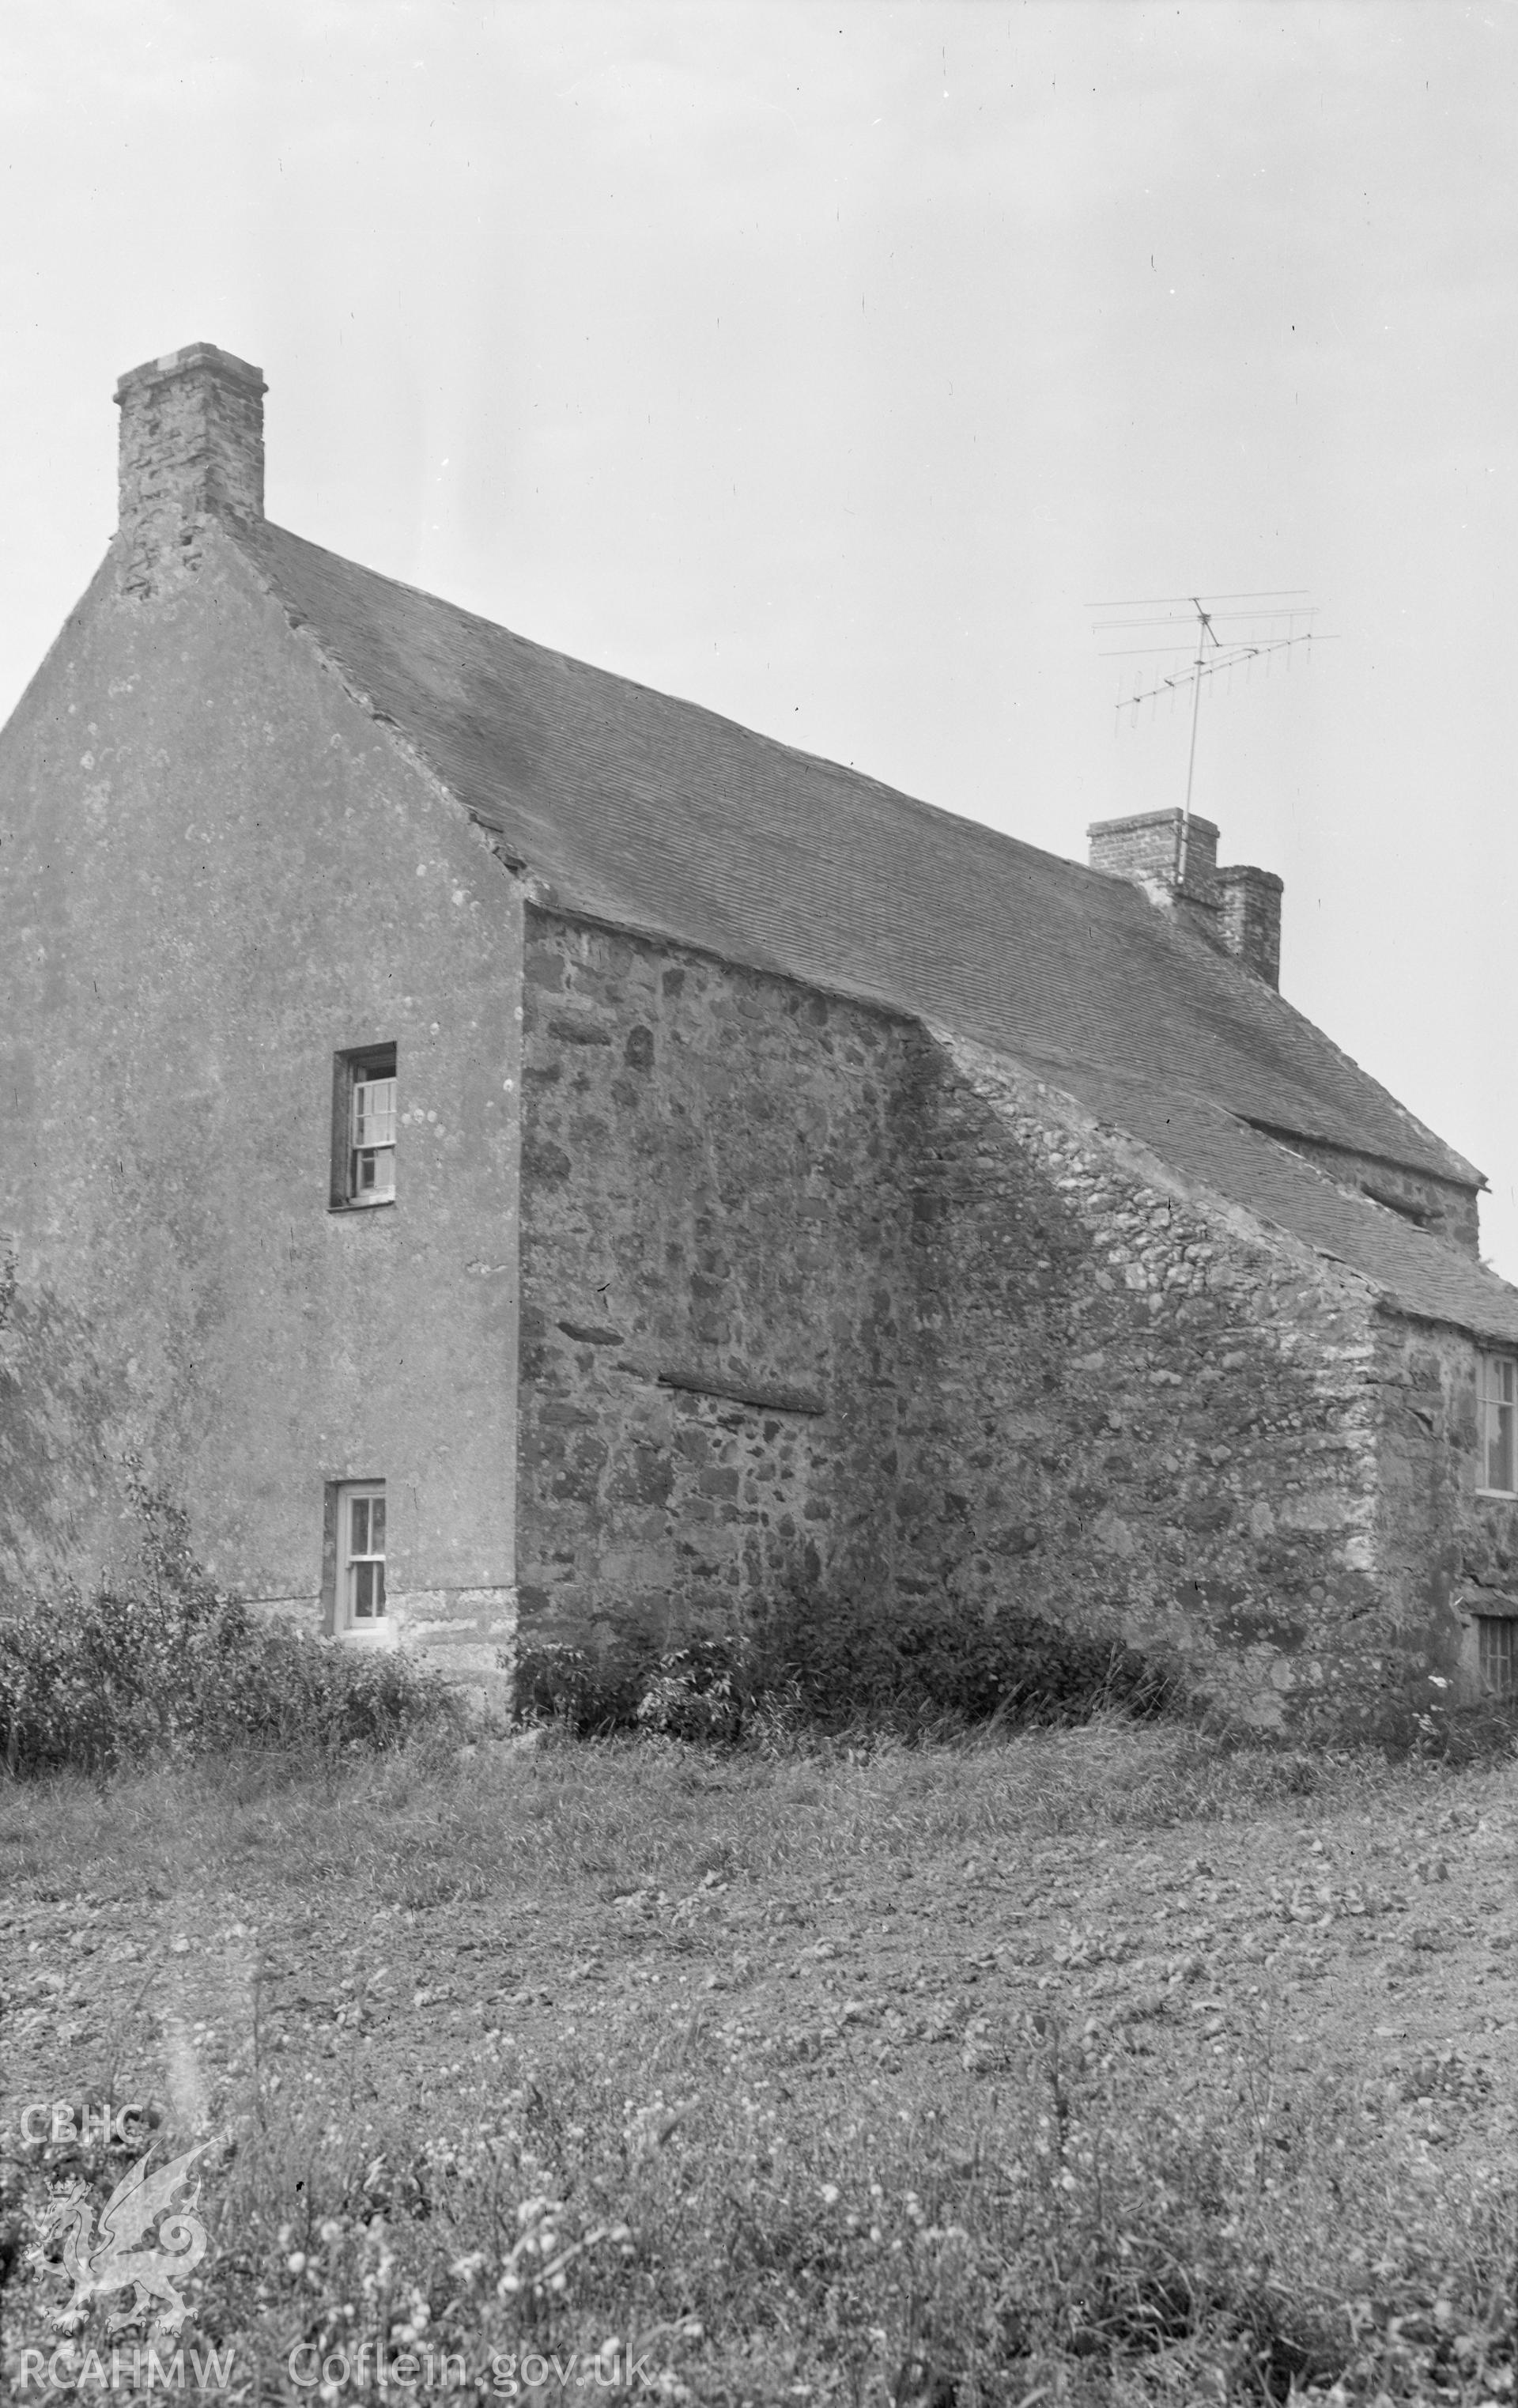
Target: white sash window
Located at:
point(361, 1557)
point(371, 1169)
point(363, 1126)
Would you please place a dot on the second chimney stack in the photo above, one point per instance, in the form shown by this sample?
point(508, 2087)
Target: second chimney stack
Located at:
point(1252, 919)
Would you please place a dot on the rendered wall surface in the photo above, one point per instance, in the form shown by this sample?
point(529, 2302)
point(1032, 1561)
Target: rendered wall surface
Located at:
point(218, 871)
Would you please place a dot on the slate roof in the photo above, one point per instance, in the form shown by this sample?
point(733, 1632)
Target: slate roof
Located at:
point(1415, 1273)
point(656, 814)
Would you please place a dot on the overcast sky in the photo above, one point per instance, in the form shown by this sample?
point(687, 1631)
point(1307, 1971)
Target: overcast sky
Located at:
point(827, 365)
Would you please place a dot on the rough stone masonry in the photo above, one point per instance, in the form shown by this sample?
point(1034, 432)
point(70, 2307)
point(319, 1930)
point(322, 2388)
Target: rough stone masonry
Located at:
point(984, 1348)
point(796, 1188)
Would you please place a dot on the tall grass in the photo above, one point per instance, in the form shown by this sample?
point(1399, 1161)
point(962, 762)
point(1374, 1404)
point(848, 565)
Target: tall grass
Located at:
point(431, 1821)
point(1053, 2221)
point(1068, 2228)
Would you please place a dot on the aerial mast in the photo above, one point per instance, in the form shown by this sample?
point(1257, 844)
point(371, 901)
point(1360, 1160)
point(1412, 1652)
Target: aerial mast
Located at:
point(1204, 630)
point(1260, 618)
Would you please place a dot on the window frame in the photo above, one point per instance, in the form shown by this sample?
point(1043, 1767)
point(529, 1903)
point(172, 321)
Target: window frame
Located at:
point(346, 1622)
point(1497, 1654)
point(358, 1066)
point(1496, 1394)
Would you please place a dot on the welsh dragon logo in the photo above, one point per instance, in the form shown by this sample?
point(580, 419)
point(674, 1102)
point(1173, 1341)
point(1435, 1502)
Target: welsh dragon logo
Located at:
point(116, 2259)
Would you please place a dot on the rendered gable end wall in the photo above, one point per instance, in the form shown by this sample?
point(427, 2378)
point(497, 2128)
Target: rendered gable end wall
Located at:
point(219, 872)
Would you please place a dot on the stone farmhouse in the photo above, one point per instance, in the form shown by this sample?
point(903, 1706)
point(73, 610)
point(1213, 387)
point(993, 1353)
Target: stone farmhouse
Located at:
point(513, 1153)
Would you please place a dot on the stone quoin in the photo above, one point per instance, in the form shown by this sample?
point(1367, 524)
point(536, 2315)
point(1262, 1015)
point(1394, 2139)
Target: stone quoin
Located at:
point(515, 1155)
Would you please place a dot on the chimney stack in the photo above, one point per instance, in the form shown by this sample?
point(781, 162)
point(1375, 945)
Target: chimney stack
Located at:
point(1148, 847)
point(191, 448)
point(1252, 919)
point(1238, 909)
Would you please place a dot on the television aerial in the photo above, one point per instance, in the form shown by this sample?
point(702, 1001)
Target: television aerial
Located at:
point(1231, 633)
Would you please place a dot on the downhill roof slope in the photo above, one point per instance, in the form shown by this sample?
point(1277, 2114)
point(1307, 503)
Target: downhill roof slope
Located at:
point(1415, 1271)
point(656, 813)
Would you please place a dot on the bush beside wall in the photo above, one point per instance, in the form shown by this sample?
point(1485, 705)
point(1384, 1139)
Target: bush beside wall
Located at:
point(166, 1665)
point(835, 1666)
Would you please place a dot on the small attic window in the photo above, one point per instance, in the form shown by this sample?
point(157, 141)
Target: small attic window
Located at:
point(364, 1128)
point(1496, 1415)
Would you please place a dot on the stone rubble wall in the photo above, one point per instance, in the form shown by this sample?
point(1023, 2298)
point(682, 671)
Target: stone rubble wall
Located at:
point(814, 1297)
point(1145, 1415)
point(714, 1228)
point(1449, 1555)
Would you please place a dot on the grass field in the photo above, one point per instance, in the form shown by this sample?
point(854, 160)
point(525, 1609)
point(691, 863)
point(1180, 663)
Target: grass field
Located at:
point(1101, 2065)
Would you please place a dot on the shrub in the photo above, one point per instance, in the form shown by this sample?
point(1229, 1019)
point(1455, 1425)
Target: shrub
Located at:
point(168, 1665)
point(585, 1695)
point(833, 1666)
point(935, 1665)
point(705, 1692)
point(1475, 1733)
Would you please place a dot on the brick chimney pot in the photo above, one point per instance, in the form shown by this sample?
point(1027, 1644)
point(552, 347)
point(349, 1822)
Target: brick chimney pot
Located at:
point(1236, 909)
point(1147, 847)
